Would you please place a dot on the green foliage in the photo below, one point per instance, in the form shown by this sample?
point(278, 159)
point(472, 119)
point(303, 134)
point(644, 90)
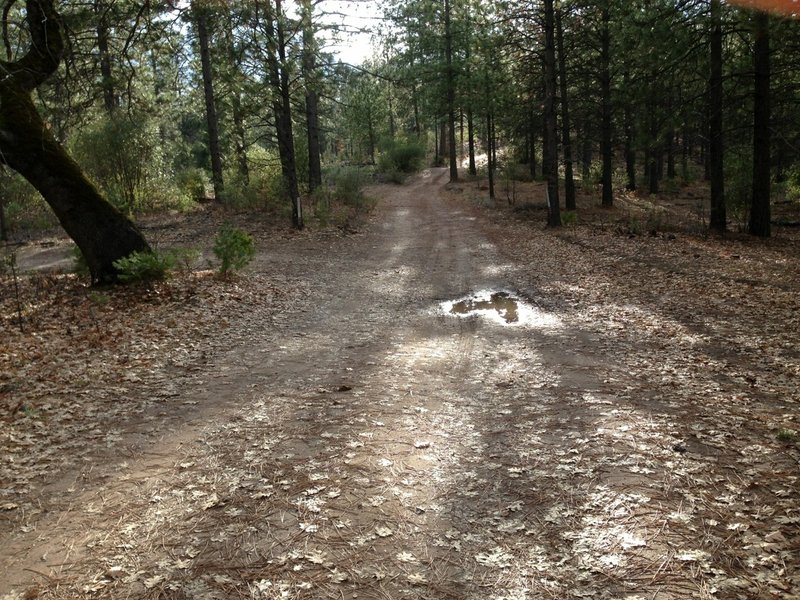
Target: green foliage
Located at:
point(347, 187)
point(144, 266)
point(264, 189)
point(569, 217)
point(321, 203)
point(738, 188)
point(793, 185)
point(99, 298)
point(516, 171)
point(234, 248)
point(341, 199)
point(786, 435)
point(123, 155)
point(24, 208)
point(400, 157)
point(185, 258)
point(671, 186)
point(595, 173)
point(79, 264)
point(116, 151)
point(193, 182)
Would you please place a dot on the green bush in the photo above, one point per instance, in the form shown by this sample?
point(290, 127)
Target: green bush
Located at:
point(569, 217)
point(79, 265)
point(193, 182)
point(400, 157)
point(347, 186)
point(23, 206)
point(738, 187)
point(234, 248)
point(120, 152)
point(793, 184)
point(144, 266)
point(264, 187)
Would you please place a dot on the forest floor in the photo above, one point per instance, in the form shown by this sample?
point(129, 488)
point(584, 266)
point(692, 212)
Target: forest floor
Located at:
point(323, 427)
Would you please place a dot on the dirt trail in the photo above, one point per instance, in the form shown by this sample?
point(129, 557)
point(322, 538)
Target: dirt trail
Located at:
point(366, 445)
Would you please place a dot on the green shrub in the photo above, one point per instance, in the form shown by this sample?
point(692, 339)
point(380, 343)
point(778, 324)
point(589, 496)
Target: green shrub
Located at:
point(193, 182)
point(144, 266)
point(234, 248)
point(399, 157)
point(23, 206)
point(264, 187)
point(793, 184)
point(347, 186)
point(738, 187)
point(184, 259)
point(120, 152)
point(321, 204)
point(79, 265)
point(569, 217)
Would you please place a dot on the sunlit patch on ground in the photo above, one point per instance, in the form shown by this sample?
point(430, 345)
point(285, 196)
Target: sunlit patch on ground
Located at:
point(502, 307)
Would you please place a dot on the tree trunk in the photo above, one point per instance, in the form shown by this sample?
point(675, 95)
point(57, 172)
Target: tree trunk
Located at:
point(630, 151)
point(415, 105)
point(3, 224)
point(605, 103)
point(587, 154)
point(566, 143)
point(436, 158)
point(240, 138)
point(471, 142)
point(443, 140)
point(760, 207)
point(490, 152)
point(718, 218)
point(102, 233)
point(551, 146)
point(212, 121)
point(282, 107)
point(371, 137)
point(106, 77)
point(671, 173)
point(451, 94)
point(312, 111)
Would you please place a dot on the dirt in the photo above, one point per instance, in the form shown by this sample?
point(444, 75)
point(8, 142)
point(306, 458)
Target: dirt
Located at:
point(348, 438)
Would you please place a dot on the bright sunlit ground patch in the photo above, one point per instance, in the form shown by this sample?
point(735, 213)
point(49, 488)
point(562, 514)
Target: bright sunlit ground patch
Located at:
point(502, 307)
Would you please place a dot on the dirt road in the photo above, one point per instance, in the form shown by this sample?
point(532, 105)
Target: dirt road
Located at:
point(365, 443)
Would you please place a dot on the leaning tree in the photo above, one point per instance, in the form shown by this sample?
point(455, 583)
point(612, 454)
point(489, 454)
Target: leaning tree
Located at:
point(102, 233)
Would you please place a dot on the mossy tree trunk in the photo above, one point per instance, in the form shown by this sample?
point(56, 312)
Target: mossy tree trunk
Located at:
point(102, 233)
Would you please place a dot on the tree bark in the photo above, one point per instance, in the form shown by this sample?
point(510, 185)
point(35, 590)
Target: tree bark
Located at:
point(471, 142)
point(630, 151)
point(312, 110)
point(653, 152)
point(102, 233)
point(760, 207)
point(566, 142)
point(212, 121)
point(551, 145)
point(605, 103)
point(106, 76)
point(3, 224)
point(240, 138)
point(718, 217)
point(490, 152)
point(451, 95)
point(282, 107)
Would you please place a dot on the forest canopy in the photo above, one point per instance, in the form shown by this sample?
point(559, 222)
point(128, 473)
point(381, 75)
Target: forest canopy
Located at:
point(151, 106)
